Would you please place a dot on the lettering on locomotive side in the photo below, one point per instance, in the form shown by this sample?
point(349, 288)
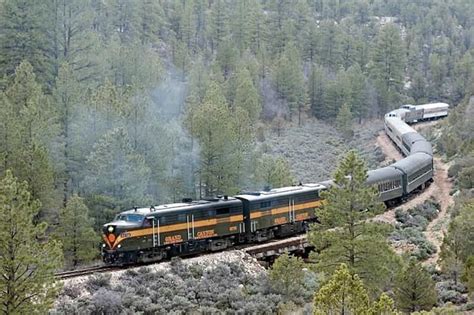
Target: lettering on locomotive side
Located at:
point(281, 220)
point(302, 216)
point(204, 234)
point(125, 235)
point(233, 228)
point(173, 239)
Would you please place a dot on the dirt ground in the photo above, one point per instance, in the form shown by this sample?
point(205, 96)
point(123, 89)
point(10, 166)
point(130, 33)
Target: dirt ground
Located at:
point(439, 190)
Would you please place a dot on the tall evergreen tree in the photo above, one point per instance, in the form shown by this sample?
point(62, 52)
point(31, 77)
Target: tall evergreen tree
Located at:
point(289, 81)
point(345, 293)
point(151, 20)
point(344, 121)
point(414, 289)
point(212, 124)
point(388, 67)
point(27, 264)
point(273, 172)
point(22, 37)
point(28, 133)
point(67, 96)
point(358, 243)
point(458, 244)
point(117, 176)
point(218, 26)
point(356, 97)
point(246, 95)
point(71, 39)
point(287, 275)
point(316, 85)
point(330, 45)
point(468, 275)
point(80, 242)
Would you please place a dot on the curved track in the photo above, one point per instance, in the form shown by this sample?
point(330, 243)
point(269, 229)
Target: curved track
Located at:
point(275, 246)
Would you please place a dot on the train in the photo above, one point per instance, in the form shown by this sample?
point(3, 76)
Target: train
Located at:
point(148, 234)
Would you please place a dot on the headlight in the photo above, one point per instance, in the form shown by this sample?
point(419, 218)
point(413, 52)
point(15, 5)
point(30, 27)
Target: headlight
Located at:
point(110, 229)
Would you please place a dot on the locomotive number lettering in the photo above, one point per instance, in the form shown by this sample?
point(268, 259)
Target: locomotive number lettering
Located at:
point(125, 235)
point(204, 234)
point(173, 239)
point(302, 216)
point(233, 228)
point(281, 220)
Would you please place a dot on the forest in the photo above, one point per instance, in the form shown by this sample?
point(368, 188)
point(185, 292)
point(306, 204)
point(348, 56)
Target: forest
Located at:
point(110, 104)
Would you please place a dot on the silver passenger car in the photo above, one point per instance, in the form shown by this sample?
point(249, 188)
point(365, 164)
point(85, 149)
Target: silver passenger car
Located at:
point(389, 182)
point(417, 169)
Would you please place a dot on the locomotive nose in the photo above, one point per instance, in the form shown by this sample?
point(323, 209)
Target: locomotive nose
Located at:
point(109, 235)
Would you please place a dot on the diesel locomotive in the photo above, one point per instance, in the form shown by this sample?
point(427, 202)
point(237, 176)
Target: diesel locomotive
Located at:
point(158, 232)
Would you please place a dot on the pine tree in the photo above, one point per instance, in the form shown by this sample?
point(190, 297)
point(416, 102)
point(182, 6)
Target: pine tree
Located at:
point(212, 125)
point(330, 45)
point(468, 275)
point(458, 244)
point(133, 66)
point(289, 81)
point(287, 275)
point(344, 293)
point(30, 130)
point(357, 95)
point(273, 172)
point(256, 26)
point(414, 289)
point(80, 242)
point(151, 20)
point(125, 20)
point(278, 19)
point(117, 176)
point(67, 96)
point(451, 251)
point(27, 265)
point(344, 121)
point(182, 59)
point(358, 243)
point(388, 67)
point(219, 27)
point(384, 306)
point(334, 96)
point(246, 95)
point(316, 86)
point(22, 38)
point(71, 39)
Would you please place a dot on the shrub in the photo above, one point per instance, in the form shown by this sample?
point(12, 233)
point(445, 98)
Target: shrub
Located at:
point(72, 290)
point(425, 250)
point(414, 235)
point(96, 282)
point(106, 302)
point(401, 216)
point(452, 296)
point(428, 210)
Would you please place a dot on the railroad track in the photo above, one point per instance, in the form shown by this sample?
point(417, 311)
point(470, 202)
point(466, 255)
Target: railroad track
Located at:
point(261, 251)
point(85, 272)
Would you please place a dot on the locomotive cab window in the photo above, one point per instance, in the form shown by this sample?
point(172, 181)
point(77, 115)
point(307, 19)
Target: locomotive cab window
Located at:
point(149, 222)
point(130, 217)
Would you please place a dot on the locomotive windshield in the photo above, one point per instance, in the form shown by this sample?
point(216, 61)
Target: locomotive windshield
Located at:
point(130, 217)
